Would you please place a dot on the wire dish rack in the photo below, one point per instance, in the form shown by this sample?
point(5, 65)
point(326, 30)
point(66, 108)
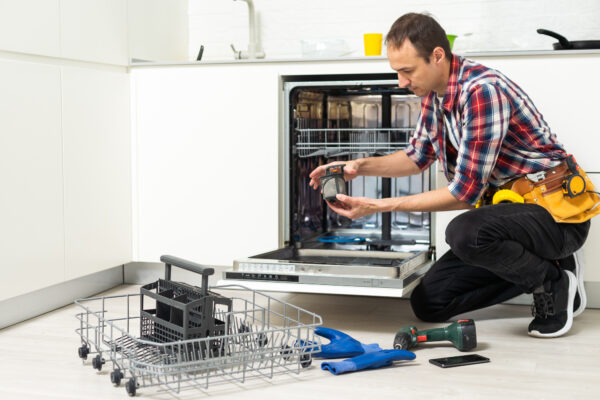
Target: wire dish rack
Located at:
point(251, 335)
point(332, 142)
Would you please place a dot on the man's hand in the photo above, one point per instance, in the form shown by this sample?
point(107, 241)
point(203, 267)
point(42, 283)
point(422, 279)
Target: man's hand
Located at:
point(350, 172)
point(354, 207)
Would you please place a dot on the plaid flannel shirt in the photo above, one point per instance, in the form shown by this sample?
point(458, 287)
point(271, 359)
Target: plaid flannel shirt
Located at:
point(499, 133)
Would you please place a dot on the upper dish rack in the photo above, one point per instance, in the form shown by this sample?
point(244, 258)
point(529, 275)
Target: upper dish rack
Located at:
point(333, 142)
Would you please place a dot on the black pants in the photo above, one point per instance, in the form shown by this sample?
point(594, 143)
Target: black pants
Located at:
point(496, 253)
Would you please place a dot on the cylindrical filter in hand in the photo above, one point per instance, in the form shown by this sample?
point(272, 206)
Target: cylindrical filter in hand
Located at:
point(333, 182)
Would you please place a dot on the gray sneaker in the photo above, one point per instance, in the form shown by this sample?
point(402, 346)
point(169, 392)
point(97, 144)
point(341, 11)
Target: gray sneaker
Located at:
point(574, 263)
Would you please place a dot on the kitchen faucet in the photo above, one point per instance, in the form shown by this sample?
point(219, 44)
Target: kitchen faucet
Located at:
point(253, 46)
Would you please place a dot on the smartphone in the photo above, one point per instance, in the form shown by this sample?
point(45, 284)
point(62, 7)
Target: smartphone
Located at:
point(457, 361)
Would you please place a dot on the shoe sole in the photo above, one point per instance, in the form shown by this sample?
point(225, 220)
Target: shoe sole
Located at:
point(569, 323)
point(578, 255)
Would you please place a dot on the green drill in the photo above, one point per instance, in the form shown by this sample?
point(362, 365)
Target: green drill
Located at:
point(461, 333)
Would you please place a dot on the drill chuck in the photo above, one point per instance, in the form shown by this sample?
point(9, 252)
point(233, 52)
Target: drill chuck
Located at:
point(403, 341)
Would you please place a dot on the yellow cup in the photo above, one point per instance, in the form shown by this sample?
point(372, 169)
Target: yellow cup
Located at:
point(373, 44)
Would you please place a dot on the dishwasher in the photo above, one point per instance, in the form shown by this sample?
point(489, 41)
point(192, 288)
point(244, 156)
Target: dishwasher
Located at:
point(337, 118)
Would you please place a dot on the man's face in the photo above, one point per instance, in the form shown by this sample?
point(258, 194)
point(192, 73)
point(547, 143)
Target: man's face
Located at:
point(414, 73)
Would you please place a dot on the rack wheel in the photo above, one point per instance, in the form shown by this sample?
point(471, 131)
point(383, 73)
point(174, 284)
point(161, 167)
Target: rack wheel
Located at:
point(262, 340)
point(97, 362)
point(83, 352)
point(130, 387)
point(286, 352)
point(305, 360)
point(116, 376)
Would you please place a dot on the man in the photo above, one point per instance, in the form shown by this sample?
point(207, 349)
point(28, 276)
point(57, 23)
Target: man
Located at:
point(486, 132)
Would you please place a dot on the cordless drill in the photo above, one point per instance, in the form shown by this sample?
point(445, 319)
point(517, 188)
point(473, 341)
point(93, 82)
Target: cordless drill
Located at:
point(461, 333)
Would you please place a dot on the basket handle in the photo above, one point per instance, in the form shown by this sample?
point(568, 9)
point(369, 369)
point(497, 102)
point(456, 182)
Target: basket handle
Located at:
point(190, 266)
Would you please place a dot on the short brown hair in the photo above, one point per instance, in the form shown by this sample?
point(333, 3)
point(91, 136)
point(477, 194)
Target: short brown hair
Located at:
point(423, 31)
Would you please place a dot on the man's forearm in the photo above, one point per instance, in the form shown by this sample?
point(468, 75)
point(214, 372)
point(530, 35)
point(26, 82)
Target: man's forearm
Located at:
point(392, 165)
point(434, 200)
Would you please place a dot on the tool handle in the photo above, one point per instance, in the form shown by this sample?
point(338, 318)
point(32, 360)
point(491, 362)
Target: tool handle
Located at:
point(188, 265)
point(565, 44)
point(432, 335)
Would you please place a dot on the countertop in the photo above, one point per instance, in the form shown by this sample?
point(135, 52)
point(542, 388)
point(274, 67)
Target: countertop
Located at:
point(508, 53)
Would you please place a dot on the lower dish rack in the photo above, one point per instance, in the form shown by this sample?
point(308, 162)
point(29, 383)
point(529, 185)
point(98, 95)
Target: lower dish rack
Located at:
point(194, 337)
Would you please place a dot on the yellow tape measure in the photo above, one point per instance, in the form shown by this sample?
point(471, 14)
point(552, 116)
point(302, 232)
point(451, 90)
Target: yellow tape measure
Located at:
point(573, 185)
point(507, 196)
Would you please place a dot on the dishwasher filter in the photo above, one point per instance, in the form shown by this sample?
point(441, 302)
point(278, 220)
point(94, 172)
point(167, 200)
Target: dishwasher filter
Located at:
point(333, 182)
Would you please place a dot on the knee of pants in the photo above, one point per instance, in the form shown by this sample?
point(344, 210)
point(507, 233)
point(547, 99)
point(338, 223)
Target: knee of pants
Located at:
point(424, 308)
point(461, 235)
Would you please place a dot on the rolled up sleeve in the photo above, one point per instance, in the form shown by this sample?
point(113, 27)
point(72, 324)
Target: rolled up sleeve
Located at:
point(486, 117)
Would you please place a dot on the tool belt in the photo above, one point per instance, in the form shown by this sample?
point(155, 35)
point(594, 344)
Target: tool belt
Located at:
point(565, 191)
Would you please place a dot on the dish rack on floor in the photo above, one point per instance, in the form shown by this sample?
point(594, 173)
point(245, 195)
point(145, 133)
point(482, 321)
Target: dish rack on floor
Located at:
point(177, 336)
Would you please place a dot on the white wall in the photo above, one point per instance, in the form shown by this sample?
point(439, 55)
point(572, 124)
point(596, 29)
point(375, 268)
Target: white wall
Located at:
point(494, 24)
point(94, 30)
point(158, 30)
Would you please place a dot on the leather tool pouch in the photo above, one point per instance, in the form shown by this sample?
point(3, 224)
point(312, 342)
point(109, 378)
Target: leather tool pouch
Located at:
point(553, 192)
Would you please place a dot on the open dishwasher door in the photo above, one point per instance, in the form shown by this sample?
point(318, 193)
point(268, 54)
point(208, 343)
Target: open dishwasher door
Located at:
point(321, 251)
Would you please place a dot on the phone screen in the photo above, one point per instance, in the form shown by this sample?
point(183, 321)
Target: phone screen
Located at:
point(457, 361)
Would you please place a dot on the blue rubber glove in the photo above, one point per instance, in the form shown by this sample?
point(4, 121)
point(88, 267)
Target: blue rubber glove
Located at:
point(383, 358)
point(341, 345)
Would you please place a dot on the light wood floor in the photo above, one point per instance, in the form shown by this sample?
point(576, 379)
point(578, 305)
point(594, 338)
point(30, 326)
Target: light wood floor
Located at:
point(38, 359)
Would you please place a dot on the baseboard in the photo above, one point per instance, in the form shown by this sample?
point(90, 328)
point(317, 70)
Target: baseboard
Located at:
point(139, 273)
point(30, 305)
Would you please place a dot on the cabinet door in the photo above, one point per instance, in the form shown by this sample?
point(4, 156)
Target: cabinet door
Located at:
point(30, 26)
point(591, 248)
point(94, 30)
point(97, 170)
point(207, 180)
point(31, 199)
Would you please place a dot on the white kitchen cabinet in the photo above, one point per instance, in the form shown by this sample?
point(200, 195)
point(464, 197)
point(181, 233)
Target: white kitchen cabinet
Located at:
point(564, 89)
point(30, 26)
point(591, 249)
point(94, 30)
point(31, 200)
point(97, 170)
point(207, 162)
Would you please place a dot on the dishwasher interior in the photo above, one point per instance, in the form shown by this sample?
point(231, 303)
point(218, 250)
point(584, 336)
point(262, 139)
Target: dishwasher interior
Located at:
point(321, 251)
